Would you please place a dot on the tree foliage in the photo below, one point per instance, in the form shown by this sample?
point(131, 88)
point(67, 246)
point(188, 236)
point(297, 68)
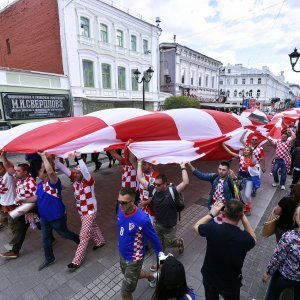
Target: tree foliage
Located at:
point(181, 102)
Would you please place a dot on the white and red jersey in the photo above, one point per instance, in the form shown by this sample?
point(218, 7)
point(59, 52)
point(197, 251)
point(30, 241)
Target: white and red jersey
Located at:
point(219, 192)
point(258, 153)
point(283, 151)
point(129, 178)
point(245, 163)
point(144, 193)
point(7, 189)
point(26, 188)
point(84, 194)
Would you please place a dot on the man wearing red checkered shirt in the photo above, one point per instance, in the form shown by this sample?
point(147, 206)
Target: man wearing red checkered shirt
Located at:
point(282, 158)
point(25, 188)
point(86, 203)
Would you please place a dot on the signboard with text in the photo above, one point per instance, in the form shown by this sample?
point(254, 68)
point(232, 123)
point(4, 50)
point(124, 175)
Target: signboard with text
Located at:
point(19, 106)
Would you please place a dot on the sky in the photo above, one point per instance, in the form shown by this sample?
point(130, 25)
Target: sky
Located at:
point(254, 33)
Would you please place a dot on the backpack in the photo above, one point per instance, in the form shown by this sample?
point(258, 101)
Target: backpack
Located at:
point(178, 201)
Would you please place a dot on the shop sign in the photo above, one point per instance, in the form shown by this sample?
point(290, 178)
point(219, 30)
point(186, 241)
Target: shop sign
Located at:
point(19, 106)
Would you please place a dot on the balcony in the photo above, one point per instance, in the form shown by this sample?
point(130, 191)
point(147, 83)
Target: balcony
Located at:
point(105, 46)
point(86, 40)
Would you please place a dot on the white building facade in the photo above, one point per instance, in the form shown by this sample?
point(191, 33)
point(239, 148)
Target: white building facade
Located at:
point(261, 88)
point(184, 71)
point(101, 47)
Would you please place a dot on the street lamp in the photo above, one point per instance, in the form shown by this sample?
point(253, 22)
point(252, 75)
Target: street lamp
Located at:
point(294, 57)
point(146, 78)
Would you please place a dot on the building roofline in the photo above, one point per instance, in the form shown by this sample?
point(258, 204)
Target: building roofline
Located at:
point(174, 45)
point(8, 6)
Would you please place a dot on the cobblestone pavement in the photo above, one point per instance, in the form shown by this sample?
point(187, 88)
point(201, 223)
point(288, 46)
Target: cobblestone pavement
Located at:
point(99, 277)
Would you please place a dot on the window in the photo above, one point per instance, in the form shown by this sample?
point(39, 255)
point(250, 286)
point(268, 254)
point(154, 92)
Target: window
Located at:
point(228, 93)
point(121, 78)
point(145, 47)
point(192, 78)
point(106, 76)
point(243, 81)
point(88, 73)
point(228, 71)
point(8, 46)
point(251, 80)
point(235, 93)
point(134, 83)
point(250, 93)
point(103, 33)
point(221, 82)
point(200, 80)
point(85, 26)
point(206, 81)
point(235, 81)
point(213, 82)
point(228, 81)
point(120, 38)
point(258, 94)
point(259, 81)
point(133, 43)
point(146, 84)
point(182, 76)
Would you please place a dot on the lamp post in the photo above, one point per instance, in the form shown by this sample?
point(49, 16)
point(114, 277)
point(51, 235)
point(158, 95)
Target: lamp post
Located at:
point(294, 57)
point(144, 79)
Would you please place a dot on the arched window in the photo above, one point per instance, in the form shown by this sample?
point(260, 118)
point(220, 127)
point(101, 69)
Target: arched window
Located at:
point(228, 93)
point(250, 93)
point(258, 94)
point(235, 93)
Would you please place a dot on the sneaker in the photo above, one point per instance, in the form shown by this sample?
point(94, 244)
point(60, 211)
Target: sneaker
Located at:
point(271, 174)
point(274, 184)
point(283, 187)
point(99, 246)
point(152, 282)
point(181, 246)
point(153, 268)
point(46, 264)
point(9, 254)
point(73, 267)
point(8, 247)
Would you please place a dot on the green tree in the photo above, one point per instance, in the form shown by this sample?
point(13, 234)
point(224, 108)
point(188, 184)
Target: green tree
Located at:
point(181, 102)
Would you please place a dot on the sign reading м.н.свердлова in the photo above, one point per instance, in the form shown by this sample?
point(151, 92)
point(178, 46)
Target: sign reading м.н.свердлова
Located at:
point(17, 106)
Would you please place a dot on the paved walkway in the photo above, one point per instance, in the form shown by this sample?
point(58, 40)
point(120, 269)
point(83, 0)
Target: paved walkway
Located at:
point(100, 277)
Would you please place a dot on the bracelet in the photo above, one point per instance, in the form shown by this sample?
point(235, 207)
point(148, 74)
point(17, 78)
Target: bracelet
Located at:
point(212, 215)
point(183, 169)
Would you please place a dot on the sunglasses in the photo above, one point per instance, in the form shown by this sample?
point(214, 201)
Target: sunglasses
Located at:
point(123, 202)
point(157, 184)
point(253, 139)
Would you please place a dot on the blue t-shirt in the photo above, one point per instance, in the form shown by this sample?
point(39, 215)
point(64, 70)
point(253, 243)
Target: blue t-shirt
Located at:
point(49, 202)
point(133, 231)
point(190, 293)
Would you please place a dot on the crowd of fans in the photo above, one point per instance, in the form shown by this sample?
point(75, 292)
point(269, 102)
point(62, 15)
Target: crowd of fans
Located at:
point(147, 211)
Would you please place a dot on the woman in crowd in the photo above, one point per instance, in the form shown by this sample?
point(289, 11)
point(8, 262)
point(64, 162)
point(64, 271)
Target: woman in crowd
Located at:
point(172, 282)
point(284, 264)
point(285, 209)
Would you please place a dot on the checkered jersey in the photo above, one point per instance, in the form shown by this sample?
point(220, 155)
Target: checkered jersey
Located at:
point(85, 196)
point(26, 188)
point(129, 178)
point(219, 192)
point(220, 218)
point(3, 187)
point(144, 193)
point(258, 153)
point(244, 163)
point(283, 149)
point(138, 245)
point(50, 190)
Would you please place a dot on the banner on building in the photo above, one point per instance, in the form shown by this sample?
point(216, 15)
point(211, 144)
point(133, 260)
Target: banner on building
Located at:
point(21, 106)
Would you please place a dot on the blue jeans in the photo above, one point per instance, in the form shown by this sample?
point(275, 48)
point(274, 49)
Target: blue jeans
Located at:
point(279, 163)
point(60, 226)
point(278, 284)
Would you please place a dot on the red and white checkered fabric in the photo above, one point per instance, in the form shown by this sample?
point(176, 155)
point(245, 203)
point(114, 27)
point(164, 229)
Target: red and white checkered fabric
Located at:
point(50, 190)
point(245, 162)
point(85, 197)
point(129, 178)
point(138, 245)
point(219, 192)
point(26, 188)
point(144, 193)
point(3, 188)
point(258, 153)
